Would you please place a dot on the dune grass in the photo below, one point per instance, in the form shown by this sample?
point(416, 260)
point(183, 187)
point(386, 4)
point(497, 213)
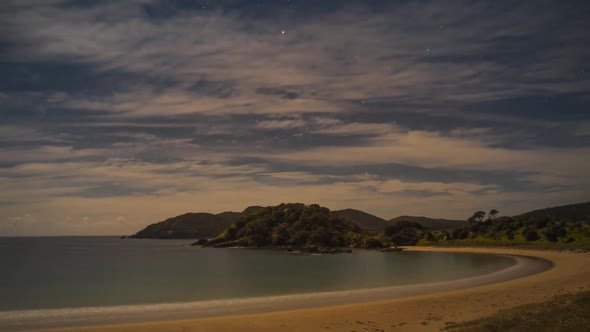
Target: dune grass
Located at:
point(569, 312)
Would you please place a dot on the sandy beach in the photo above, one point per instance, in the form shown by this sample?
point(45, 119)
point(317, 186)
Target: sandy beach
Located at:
point(427, 312)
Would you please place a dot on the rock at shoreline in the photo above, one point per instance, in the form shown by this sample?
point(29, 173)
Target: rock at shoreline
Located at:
point(316, 250)
point(200, 242)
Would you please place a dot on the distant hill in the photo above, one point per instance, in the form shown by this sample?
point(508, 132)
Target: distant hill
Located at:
point(566, 213)
point(432, 224)
point(366, 221)
point(192, 225)
point(375, 225)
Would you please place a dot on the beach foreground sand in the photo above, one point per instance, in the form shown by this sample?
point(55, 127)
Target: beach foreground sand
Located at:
point(570, 273)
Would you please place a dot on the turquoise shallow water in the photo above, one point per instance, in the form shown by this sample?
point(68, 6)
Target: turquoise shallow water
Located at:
point(67, 272)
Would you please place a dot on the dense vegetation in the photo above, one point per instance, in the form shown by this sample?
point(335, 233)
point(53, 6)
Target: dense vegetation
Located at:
point(562, 313)
point(299, 225)
point(296, 225)
point(406, 233)
point(525, 229)
point(432, 224)
point(565, 213)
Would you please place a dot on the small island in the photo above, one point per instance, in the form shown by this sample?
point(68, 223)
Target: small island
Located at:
point(299, 228)
point(294, 227)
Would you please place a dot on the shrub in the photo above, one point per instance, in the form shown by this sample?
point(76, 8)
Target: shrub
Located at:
point(299, 238)
point(373, 243)
point(531, 235)
point(338, 240)
point(460, 234)
point(406, 237)
point(430, 237)
point(554, 232)
point(510, 235)
point(400, 225)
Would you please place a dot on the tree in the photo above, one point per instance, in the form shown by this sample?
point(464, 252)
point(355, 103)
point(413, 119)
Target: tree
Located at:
point(400, 225)
point(531, 235)
point(510, 235)
point(430, 237)
point(554, 232)
point(373, 243)
point(280, 235)
point(493, 213)
point(338, 240)
point(460, 234)
point(299, 238)
point(406, 237)
point(477, 217)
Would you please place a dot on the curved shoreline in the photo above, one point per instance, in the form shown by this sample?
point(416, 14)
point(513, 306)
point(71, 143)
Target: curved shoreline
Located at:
point(126, 314)
point(377, 305)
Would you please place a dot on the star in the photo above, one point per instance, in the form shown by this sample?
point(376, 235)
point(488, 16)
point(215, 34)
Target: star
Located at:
point(283, 32)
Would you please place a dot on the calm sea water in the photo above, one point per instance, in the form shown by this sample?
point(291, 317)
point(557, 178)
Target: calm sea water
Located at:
point(65, 272)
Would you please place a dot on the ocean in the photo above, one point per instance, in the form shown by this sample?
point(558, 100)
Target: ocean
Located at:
point(61, 272)
point(48, 273)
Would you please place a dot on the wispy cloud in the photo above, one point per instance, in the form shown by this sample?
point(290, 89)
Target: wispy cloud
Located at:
point(163, 107)
point(319, 62)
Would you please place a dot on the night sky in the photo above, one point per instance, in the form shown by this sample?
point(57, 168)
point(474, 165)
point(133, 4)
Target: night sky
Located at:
point(117, 114)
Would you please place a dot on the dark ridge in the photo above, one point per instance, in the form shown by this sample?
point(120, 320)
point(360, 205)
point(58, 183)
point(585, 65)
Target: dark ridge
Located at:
point(366, 221)
point(192, 225)
point(565, 213)
point(432, 224)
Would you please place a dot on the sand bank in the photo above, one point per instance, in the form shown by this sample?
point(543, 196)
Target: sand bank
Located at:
point(411, 308)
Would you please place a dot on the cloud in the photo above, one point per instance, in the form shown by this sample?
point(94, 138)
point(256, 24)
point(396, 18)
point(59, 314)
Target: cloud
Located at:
point(325, 60)
point(281, 124)
point(283, 93)
point(431, 149)
point(583, 129)
point(356, 128)
point(216, 195)
point(397, 186)
point(125, 113)
point(46, 152)
point(19, 134)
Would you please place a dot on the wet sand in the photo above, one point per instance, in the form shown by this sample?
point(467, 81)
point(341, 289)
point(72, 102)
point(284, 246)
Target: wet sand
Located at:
point(412, 308)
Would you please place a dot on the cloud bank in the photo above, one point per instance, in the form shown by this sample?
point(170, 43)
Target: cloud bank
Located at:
point(119, 114)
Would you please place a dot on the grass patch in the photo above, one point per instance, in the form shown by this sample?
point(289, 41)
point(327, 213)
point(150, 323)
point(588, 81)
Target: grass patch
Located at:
point(562, 313)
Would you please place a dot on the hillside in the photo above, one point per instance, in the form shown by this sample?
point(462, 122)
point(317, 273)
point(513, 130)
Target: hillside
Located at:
point(192, 225)
point(296, 225)
point(432, 224)
point(567, 226)
point(366, 221)
point(565, 213)
point(229, 215)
